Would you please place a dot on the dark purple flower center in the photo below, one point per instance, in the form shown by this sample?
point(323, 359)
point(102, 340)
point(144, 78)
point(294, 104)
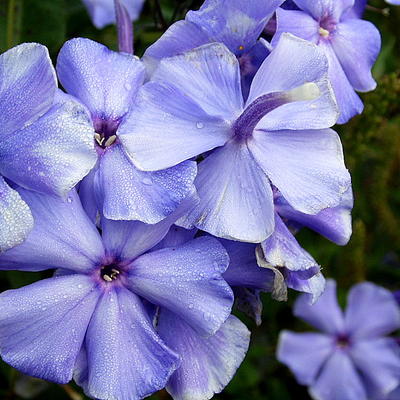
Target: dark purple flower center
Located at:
point(342, 341)
point(106, 131)
point(244, 126)
point(326, 26)
point(110, 272)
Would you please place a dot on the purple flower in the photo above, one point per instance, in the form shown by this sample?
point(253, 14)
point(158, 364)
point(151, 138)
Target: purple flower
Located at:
point(236, 23)
point(352, 359)
point(350, 44)
point(193, 104)
point(47, 138)
point(107, 82)
point(394, 2)
point(93, 319)
point(102, 12)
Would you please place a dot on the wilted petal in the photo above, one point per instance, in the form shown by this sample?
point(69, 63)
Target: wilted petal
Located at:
point(28, 85)
point(379, 362)
point(186, 280)
point(235, 196)
point(306, 166)
point(62, 237)
point(52, 154)
point(371, 311)
point(325, 313)
point(359, 40)
point(131, 194)
point(16, 220)
point(208, 364)
point(338, 380)
point(304, 353)
point(105, 81)
point(42, 326)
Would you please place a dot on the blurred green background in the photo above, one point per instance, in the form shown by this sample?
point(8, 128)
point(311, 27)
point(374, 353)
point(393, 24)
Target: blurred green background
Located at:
point(372, 150)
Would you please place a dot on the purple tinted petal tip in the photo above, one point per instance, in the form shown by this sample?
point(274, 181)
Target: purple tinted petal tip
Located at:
point(124, 27)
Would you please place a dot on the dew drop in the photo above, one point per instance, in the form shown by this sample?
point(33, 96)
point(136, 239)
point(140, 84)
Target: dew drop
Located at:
point(128, 86)
point(147, 181)
point(199, 125)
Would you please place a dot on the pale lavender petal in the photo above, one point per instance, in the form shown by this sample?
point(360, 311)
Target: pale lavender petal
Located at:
point(235, 196)
point(322, 8)
point(306, 166)
point(281, 249)
point(52, 154)
point(347, 99)
point(338, 380)
point(208, 364)
point(87, 194)
point(314, 286)
point(103, 80)
point(42, 326)
point(125, 358)
point(129, 239)
point(62, 237)
point(186, 280)
point(333, 223)
point(124, 27)
point(28, 85)
point(371, 311)
point(131, 194)
point(102, 12)
point(379, 362)
point(324, 314)
point(176, 236)
point(307, 64)
point(16, 220)
point(304, 353)
point(359, 40)
point(236, 23)
point(297, 23)
point(357, 10)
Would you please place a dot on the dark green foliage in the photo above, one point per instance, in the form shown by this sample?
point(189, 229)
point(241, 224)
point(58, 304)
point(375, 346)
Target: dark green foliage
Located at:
point(372, 149)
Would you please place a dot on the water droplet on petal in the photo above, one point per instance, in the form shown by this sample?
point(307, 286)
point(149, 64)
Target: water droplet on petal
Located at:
point(147, 181)
point(199, 125)
point(128, 86)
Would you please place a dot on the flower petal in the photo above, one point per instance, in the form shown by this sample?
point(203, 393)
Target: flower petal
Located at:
point(359, 40)
point(321, 8)
point(338, 380)
point(187, 280)
point(371, 311)
point(125, 358)
point(62, 237)
point(52, 154)
point(28, 85)
point(42, 326)
point(130, 239)
point(325, 314)
point(16, 220)
point(315, 285)
point(103, 80)
point(131, 194)
point(235, 196)
point(304, 353)
point(307, 64)
point(371, 356)
point(306, 166)
point(333, 223)
point(347, 99)
point(208, 364)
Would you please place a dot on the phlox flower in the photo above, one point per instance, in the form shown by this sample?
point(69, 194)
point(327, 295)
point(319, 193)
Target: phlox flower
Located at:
point(107, 83)
point(352, 359)
point(236, 23)
point(193, 106)
point(46, 137)
point(93, 320)
point(102, 12)
point(350, 44)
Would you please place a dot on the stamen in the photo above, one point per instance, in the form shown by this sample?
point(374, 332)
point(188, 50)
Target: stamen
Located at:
point(323, 32)
point(110, 140)
point(109, 273)
point(99, 138)
point(107, 278)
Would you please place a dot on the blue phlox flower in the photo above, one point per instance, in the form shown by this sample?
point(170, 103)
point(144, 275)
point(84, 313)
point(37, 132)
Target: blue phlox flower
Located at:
point(236, 23)
point(352, 359)
point(193, 105)
point(93, 320)
point(47, 138)
point(350, 44)
point(102, 12)
point(107, 83)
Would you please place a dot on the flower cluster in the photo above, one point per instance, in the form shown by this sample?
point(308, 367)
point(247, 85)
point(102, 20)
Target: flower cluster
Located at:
point(162, 190)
